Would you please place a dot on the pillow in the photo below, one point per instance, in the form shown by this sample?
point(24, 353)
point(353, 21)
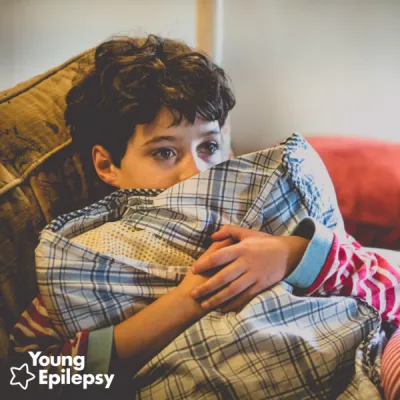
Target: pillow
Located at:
point(40, 178)
point(366, 176)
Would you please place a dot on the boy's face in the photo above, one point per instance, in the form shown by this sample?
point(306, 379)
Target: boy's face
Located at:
point(159, 155)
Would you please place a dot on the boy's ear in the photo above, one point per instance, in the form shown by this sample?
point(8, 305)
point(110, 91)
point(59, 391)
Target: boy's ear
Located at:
point(104, 167)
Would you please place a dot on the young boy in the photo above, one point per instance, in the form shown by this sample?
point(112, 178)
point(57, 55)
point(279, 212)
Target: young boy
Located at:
point(151, 114)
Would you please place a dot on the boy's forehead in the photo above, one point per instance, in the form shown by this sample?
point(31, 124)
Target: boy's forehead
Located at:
point(163, 120)
point(163, 124)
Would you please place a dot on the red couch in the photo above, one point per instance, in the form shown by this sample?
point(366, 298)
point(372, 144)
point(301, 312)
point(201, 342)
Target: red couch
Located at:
point(366, 176)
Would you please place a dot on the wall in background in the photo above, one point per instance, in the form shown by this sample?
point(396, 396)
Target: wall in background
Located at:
point(330, 66)
point(36, 35)
point(314, 66)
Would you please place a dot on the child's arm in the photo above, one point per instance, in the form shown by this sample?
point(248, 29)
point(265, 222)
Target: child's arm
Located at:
point(136, 340)
point(351, 270)
point(324, 265)
point(34, 331)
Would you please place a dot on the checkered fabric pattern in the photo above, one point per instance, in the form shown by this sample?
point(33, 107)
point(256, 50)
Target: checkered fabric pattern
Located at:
point(279, 345)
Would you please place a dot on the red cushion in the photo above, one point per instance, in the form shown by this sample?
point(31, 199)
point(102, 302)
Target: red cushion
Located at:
point(366, 176)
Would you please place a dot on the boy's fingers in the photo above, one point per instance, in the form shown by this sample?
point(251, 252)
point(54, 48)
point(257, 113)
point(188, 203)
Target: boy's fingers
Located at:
point(236, 232)
point(230, 291)
point(216, 246)
point(222, 233)
point(241, 300)
point(217, 258)
point(220, 279)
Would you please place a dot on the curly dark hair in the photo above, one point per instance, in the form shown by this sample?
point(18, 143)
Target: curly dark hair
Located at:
point(129, 82)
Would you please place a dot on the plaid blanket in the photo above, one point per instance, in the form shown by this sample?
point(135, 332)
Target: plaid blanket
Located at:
point(279, 346)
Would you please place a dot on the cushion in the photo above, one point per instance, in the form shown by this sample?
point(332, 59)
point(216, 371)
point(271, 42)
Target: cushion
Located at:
point(366, 176)
point(40, 178)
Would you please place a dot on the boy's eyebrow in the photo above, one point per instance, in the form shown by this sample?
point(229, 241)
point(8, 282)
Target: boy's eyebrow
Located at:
point(174, 138)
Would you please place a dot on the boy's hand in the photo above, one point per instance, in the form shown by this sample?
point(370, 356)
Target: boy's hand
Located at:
point(254, 264)
point(191, 281)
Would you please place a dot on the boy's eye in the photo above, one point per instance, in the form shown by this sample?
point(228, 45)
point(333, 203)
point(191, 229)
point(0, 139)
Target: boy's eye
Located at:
point(209, 148)
point(164, 154)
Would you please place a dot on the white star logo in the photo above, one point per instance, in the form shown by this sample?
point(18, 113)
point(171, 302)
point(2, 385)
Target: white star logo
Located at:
point(26, 378)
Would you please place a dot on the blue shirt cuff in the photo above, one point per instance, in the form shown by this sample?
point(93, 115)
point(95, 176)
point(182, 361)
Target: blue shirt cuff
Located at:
point(314, 258)
point(98, 356)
